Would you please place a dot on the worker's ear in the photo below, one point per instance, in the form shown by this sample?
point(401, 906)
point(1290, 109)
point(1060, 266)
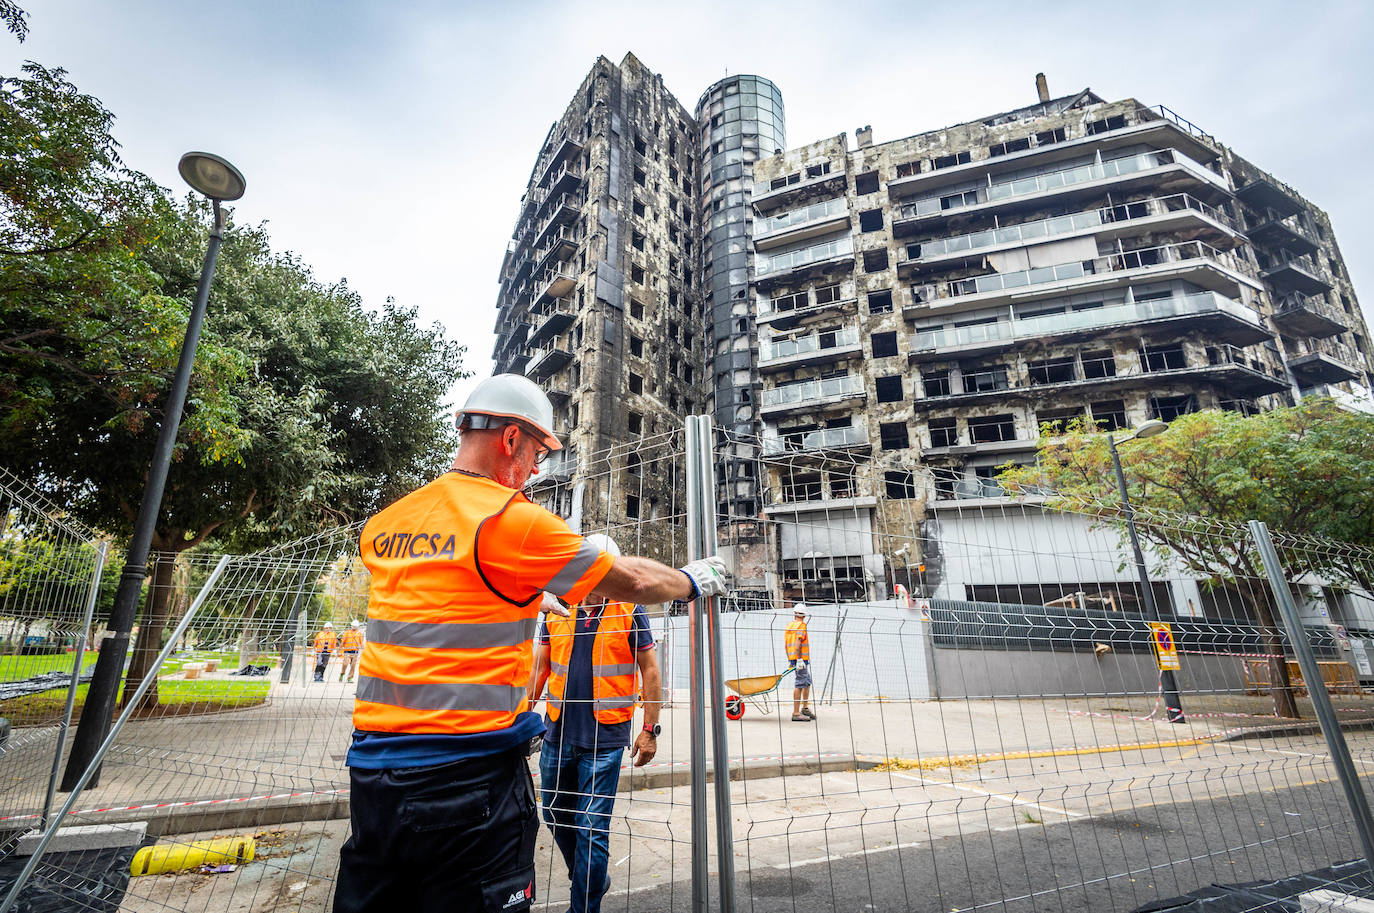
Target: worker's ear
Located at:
point(509, 437)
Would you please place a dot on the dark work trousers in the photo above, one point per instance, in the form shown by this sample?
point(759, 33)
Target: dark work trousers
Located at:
point(456, 837)
point(321, 663)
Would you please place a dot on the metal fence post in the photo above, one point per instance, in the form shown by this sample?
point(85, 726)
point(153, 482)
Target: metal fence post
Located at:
point(81, 642)
point(696, 682)
point(288, 649)
point(1316, 690)
point(94, 764)
point(706, 517)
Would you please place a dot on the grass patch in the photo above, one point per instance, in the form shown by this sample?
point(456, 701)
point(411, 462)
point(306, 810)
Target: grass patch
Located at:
point(14, 668)
point(174, 698)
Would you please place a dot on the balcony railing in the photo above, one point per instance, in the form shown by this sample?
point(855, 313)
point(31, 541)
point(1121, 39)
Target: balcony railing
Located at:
point(795, 259)
point(796, 218)
point(813, 390)
point(1111, 315)
point(1043, 275)
point(774, 349)
point(823, 439)
point(1032, 232)
point(1053, 180)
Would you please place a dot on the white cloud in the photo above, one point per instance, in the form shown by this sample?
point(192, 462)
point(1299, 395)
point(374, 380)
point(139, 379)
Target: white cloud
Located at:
point(390, 143)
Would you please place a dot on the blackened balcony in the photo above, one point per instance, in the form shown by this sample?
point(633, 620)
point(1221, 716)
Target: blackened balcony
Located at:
point(1264, 193)
point(776, 354)
point(1295, 276)
point(550, 320)
point(1303, 316)
point(547, 361)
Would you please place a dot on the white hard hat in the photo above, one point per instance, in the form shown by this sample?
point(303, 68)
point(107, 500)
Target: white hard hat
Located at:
point(605, 543)
point(799, 609)
point(512, 396)
point(329, 624)
point(353, 623)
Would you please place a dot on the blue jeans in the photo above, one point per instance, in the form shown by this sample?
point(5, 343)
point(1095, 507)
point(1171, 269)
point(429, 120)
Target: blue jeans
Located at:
point(578, 786)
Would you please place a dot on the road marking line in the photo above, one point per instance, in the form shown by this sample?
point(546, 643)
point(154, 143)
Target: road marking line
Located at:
point(850, 855)
point(1005, 798)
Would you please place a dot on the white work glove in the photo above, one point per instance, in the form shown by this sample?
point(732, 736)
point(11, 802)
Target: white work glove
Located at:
point(551, 605)
point(801, 665)
point(709, 577)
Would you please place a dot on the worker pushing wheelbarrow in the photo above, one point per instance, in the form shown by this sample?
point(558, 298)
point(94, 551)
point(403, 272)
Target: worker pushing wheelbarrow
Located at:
point(756, 688)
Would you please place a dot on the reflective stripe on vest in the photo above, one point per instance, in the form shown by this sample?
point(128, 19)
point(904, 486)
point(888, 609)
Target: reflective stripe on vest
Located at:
point(444, 653)
point(615, 674)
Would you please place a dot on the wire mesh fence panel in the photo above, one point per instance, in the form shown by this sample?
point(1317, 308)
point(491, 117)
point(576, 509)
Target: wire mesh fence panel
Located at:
point(246, 731)
point(971, 712)
point(990, 723)
point(48, 568)
point(598, 801)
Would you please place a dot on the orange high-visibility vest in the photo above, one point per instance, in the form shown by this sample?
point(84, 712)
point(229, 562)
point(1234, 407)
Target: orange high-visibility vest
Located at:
point(325, 642)
point(798, 644)
point(445, 652)
point(351, 640)
point(615, 674)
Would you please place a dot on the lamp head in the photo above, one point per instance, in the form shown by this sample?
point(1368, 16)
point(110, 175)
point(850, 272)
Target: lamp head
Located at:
point(1150, 429)
point(212, 176)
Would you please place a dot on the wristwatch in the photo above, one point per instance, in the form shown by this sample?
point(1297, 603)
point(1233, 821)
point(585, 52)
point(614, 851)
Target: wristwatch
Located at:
point(653, 730)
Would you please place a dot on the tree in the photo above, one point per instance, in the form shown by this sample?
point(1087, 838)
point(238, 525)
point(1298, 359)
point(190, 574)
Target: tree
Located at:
point(305, 409)
point(1304, 470)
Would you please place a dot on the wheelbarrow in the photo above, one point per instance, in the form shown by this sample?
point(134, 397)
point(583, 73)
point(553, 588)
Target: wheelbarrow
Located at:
point(753, 689)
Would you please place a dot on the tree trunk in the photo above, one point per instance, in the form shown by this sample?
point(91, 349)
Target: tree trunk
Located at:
point(1280, 685)
point(150, 628)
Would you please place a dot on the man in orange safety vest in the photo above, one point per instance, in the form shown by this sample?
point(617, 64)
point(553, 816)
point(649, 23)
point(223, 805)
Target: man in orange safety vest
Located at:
point(441, 800)
point(324, 645)
point(798, 646)
point(595, 664)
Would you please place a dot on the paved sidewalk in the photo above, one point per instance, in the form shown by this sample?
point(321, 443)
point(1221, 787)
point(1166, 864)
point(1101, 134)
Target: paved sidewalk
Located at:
point(284, 760)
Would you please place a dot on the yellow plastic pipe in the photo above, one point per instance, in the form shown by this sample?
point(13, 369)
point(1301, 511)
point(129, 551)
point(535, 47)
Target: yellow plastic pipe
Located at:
point(176, 857)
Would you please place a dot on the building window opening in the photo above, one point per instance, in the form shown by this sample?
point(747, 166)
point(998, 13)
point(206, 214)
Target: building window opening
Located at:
point(1109, 415)
point(1099, 364)
point(889, 388)
point(900, 486)
point(986, 380)
point(1168, 408)
point(1163, 358)
point(866, 183)
point(944, 432)
point(884, 344)
point(936, 383)
point(1051, 371)
point(949, 161)
point(990, 429)
point(875, 261)
point(636, 384)
point(880, 302)
point(871, 220)
point(894, 436)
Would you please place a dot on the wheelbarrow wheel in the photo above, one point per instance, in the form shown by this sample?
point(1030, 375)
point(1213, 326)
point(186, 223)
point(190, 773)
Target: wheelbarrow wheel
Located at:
point(734, 707)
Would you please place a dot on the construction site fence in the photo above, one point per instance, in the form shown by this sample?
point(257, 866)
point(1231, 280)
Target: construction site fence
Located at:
point(966, 746)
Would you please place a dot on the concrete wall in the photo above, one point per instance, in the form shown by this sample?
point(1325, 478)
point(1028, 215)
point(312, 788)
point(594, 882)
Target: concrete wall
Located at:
point(1028, 673)
point(883, 650)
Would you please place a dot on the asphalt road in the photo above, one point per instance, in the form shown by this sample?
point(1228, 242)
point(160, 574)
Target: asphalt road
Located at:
point(1118, 857)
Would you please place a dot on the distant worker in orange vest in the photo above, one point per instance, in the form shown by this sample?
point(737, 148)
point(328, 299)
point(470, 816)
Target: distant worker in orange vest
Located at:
point(441, 799)
point(324, 645)
point(350, 645)
point(798, 645)
point(595, 664)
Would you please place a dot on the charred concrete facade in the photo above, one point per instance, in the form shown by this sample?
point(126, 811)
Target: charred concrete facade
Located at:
point(925, 306)
point(599, 300)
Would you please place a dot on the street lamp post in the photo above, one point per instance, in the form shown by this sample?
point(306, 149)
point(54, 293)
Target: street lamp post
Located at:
point(219, 181)
point(1168, 684)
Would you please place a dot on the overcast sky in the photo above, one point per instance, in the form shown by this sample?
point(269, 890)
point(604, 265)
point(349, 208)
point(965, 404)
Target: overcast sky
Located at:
point(389, 143)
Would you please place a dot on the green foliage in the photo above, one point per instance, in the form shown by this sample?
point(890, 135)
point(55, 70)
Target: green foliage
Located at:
point(15, 19)
point(306, 409)
point(1305, 470)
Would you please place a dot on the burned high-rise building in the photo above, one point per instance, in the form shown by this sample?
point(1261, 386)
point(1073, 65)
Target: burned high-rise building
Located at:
point(871, 323)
